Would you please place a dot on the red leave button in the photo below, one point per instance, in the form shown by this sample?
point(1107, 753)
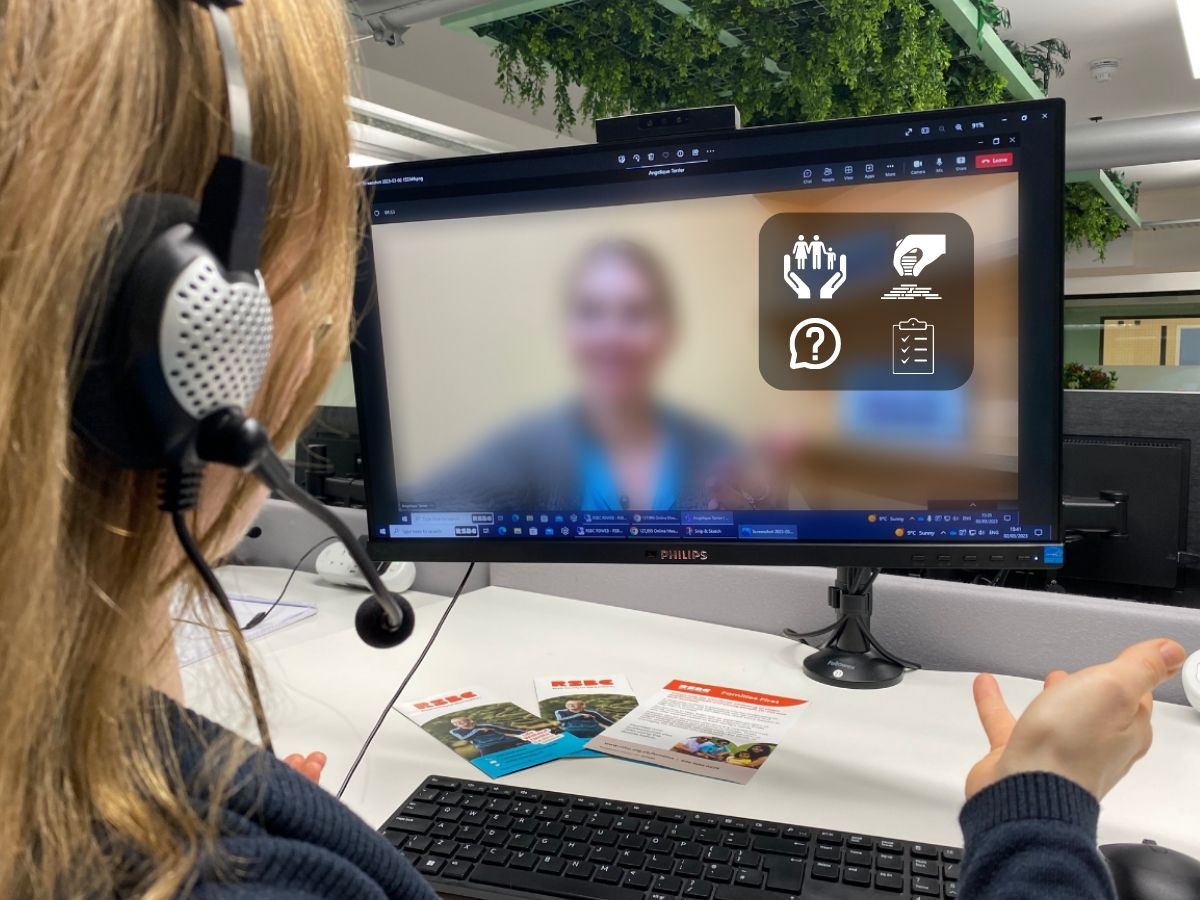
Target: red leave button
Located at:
point(993, 160)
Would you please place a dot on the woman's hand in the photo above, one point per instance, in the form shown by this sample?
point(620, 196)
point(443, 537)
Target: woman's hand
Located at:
point(309, 766)
point(1090, 727)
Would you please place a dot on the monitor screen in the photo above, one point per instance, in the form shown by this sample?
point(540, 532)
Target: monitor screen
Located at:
point(833, 343)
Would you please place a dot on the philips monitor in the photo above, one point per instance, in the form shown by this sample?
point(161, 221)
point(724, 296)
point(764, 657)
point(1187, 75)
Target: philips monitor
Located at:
point(832, 344)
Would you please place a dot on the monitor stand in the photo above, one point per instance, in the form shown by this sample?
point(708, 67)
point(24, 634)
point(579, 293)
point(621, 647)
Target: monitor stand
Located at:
point(852, 657)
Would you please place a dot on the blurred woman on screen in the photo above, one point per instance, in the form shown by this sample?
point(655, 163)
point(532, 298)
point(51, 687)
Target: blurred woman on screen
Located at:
point(615, 445)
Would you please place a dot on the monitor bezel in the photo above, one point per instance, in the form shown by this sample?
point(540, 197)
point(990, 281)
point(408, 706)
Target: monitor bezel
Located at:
point(1042, 174)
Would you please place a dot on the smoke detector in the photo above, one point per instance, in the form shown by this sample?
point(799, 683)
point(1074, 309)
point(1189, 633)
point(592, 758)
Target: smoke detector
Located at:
point(1104, 69)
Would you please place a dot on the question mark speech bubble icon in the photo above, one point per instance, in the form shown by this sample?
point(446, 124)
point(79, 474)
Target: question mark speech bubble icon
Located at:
point(816, 332)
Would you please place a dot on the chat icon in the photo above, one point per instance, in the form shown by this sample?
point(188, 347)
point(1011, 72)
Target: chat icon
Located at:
point(815, 344)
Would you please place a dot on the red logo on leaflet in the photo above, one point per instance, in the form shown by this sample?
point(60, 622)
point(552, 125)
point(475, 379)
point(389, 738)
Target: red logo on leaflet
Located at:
point(446, 701)
point(993, 160)
point(724, 693)
point(583, 682)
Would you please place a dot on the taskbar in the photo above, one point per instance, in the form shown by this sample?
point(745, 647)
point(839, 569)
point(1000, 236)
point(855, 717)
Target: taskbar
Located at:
point(933, 526)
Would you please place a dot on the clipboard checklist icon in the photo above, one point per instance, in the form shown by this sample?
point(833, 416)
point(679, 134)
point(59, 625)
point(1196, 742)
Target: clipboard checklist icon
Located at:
point(912, 348)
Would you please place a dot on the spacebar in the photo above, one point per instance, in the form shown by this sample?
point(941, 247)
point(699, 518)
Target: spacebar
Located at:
point(554, 885)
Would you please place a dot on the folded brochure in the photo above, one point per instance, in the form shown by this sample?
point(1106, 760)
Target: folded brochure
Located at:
point(721, 732)
point(584, 705)
point(494, 736)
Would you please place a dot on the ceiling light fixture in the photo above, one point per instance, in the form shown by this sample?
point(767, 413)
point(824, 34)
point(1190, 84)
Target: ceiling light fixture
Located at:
point(1189, 21)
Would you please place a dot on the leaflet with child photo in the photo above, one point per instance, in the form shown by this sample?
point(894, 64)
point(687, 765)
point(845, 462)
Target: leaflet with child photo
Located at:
point(584, 705)
point(494, 736)
point(705, 729)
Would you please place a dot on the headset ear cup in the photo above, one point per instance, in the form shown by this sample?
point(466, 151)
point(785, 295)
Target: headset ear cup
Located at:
point(106, 411)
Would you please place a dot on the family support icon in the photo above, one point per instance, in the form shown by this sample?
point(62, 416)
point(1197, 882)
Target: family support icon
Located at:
point(814, 256)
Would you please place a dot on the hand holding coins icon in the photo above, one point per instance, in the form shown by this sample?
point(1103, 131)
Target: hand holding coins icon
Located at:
point(815, 344)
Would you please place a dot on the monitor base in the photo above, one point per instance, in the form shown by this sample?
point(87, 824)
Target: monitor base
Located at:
point(852, 657)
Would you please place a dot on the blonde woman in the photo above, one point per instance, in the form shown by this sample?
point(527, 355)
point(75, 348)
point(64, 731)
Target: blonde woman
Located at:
point(109, 787)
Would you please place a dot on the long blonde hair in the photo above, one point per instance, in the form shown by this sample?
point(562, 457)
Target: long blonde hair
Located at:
point(99, 100)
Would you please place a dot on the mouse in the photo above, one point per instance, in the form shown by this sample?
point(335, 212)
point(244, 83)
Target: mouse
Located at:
point(1147, 871)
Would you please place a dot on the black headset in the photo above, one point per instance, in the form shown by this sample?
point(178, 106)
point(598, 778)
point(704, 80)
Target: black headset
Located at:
point(178, 335)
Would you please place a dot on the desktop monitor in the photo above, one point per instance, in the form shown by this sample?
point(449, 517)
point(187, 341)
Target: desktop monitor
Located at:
point(832, 344)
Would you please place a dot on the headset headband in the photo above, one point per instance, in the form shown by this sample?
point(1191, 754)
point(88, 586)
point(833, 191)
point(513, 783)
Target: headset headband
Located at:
point(233, 209)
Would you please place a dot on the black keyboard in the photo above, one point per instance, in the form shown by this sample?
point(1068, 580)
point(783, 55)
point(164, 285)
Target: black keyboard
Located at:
point(492, 841)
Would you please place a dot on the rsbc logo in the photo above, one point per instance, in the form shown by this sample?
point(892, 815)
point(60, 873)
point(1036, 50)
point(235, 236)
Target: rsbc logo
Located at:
point(447, 701)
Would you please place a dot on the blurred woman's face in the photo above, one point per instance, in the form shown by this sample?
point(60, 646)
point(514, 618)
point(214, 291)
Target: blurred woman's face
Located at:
point(618, 329)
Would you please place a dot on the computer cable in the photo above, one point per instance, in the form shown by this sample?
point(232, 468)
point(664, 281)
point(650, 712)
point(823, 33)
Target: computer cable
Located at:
point(362, 751)
point(257, 618)
point(178, 490)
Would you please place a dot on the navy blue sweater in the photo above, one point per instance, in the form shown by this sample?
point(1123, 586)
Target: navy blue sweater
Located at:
point(1026, 836)
point(1033, 835)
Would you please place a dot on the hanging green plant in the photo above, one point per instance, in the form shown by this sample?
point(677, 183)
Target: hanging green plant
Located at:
point(777, 60)
point(1089, 219)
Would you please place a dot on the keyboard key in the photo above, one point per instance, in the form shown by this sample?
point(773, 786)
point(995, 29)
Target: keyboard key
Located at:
point(672, 816)
point(736, 839)
point(859, 857)
point(668, 884)
point(858, 840)
point(950, 890)
point(781, 846)
point(659, 862)
point(765, 828)
point(796, 833)
point(828, 852)
point(826, 871)
point(430, 865)
point(469, 787)
point(890, 846)
point(952, 855)
point(551, 865)
point(689, 868)
point(951, 871)
point(786, 876)
point(444, 847)
point(409, 824)
point(419, 843)
point(632, 859)
point(586, 803)
point(575, 850)
point(929, 887)
point(426, 795)
point(605, 855)
point(689, 850)
point(444, 784)
point(611, 806)
point(748, 877)
point(923, 851)
point(528, 795)
point(577, 868)
point(889, 881)
point(641, 812)
point(859, 875)
point(926, 867)
point(830, 837)
point(523, 861)
point(398, 839)
point(470, 852)
point(889, 862)
point(718, 855)
point(443, 830)
point(639, 880)
point(537, 883)
point(719, 873)
point(609, 874)
point(731, 823)
point(496, 856)
point(521, 842)
point(456, 868)
point(703, 821)
point(733, 892)
point(419, 810)
point(708, 836)
point(747, 859)
point(696, 889)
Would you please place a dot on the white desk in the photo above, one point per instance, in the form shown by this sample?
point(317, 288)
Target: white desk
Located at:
point(888, 762)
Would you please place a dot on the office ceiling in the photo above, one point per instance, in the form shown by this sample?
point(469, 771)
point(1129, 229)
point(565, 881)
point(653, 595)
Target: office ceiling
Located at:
point(1154, 76)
